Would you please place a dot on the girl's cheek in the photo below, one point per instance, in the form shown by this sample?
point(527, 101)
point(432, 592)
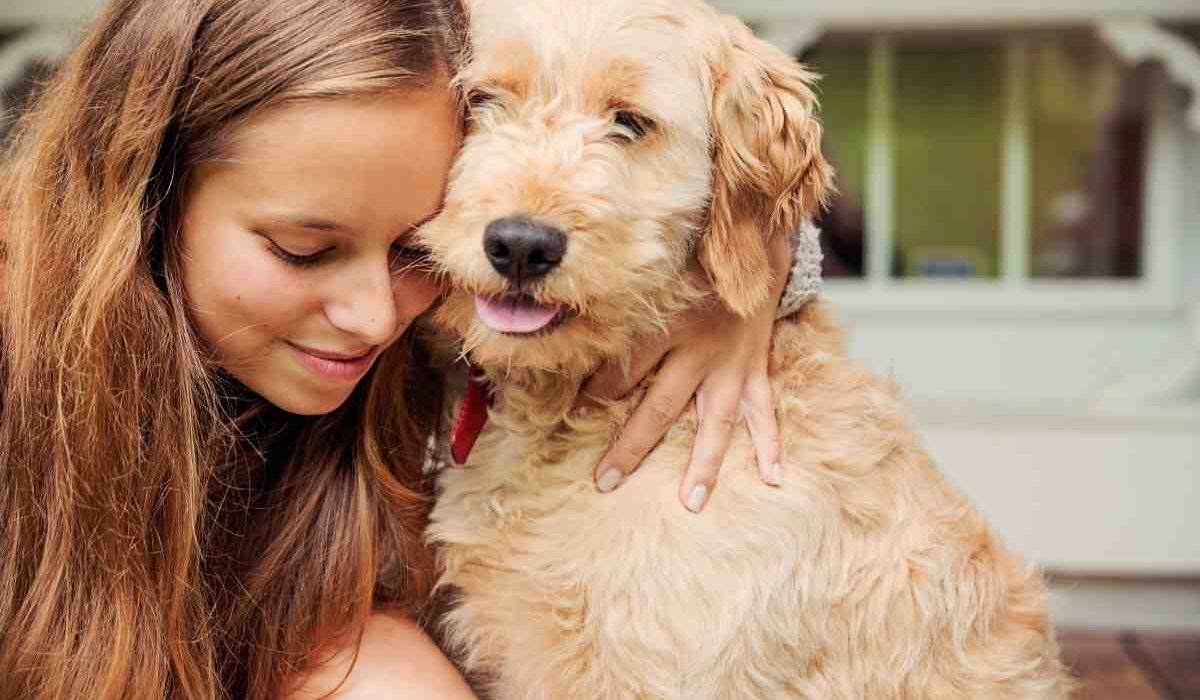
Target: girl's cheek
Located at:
point(258, 280)
point(263, 291)
point(414, 295)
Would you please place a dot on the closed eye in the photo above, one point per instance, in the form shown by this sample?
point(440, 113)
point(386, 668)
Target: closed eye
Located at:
point(297, 259)
point(478, 98)
point(631, 126)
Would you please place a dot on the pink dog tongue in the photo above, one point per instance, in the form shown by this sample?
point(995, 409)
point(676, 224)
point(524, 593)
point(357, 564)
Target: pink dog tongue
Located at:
point(514, 315)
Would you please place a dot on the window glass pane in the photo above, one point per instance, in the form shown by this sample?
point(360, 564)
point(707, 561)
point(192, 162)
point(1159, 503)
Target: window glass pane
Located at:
point(1089, 127)
point(948, 123)
point(843, 94)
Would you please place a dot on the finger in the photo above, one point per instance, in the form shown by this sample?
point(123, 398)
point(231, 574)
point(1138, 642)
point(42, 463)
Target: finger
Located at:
point(659, 408)
point(614, 380)
point(759, 411)
point(718, 417)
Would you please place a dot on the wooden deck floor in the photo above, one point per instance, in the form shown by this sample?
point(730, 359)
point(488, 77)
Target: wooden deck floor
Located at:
point(1134, 665)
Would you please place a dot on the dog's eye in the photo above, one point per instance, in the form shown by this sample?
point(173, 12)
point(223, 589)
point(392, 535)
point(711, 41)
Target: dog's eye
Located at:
point(478, 97)
point(633, 126)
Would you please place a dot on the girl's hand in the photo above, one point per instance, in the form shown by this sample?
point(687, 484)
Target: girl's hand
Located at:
point(719, 358)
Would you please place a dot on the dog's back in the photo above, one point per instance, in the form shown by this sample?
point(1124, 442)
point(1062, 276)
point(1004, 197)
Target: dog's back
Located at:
point(864, 576)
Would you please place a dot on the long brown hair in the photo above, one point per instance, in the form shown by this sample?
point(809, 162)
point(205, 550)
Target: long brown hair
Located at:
point(162, 534)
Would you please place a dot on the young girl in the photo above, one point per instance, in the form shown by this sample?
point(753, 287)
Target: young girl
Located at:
point(213, 418)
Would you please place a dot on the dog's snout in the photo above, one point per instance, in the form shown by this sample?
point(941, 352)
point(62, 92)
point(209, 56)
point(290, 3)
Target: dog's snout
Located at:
point(523, 250)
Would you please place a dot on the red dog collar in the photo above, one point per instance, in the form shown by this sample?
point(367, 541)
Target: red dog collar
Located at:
point(472, 416)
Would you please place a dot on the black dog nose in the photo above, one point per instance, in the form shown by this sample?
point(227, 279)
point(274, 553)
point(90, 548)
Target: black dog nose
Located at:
point(522, 249)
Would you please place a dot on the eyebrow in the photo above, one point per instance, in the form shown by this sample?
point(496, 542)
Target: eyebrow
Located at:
point(328, 226)
point(315, 224)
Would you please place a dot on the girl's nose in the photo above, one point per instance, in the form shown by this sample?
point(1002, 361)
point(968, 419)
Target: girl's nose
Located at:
point(366, 306)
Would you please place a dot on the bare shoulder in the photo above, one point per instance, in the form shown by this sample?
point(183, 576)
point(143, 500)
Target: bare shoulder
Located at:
point(396, 661)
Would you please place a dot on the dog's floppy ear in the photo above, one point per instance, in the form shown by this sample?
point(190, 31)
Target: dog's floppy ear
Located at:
point(768, 170)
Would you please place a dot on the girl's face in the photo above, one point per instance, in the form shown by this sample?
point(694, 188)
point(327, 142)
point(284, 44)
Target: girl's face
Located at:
point(297, 261)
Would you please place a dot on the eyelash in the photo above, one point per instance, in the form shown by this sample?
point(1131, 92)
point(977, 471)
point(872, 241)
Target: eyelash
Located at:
point(298, 260)
point(398, 252)
point(478, 98)
point(631, 125)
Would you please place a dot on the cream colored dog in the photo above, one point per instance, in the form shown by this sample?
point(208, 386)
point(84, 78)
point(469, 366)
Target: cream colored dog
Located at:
point(616, 145)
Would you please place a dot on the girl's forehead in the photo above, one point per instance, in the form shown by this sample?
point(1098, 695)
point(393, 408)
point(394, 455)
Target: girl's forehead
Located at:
point(360, 161)
point(339, 115)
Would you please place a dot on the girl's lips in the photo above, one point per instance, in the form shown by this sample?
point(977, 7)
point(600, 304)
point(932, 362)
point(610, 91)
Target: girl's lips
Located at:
point(336, 366)
point(519, 314)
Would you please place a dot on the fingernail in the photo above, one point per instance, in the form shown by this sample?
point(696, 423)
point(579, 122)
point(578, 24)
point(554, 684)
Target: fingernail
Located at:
point(775, 475)
point(697, 498)
point(609, 480)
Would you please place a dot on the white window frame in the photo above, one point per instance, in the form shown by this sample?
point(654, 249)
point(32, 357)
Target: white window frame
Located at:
point(1156, 292)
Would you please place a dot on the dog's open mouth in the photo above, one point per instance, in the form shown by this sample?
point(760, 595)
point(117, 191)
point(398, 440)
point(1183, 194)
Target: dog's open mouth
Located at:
point(520, 314)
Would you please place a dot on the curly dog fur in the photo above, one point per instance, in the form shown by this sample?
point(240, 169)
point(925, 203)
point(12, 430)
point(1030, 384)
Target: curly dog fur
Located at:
point(865, 575)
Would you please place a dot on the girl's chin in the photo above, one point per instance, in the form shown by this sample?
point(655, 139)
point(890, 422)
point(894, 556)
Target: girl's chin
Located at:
point(293, 399)
point(309, 409)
